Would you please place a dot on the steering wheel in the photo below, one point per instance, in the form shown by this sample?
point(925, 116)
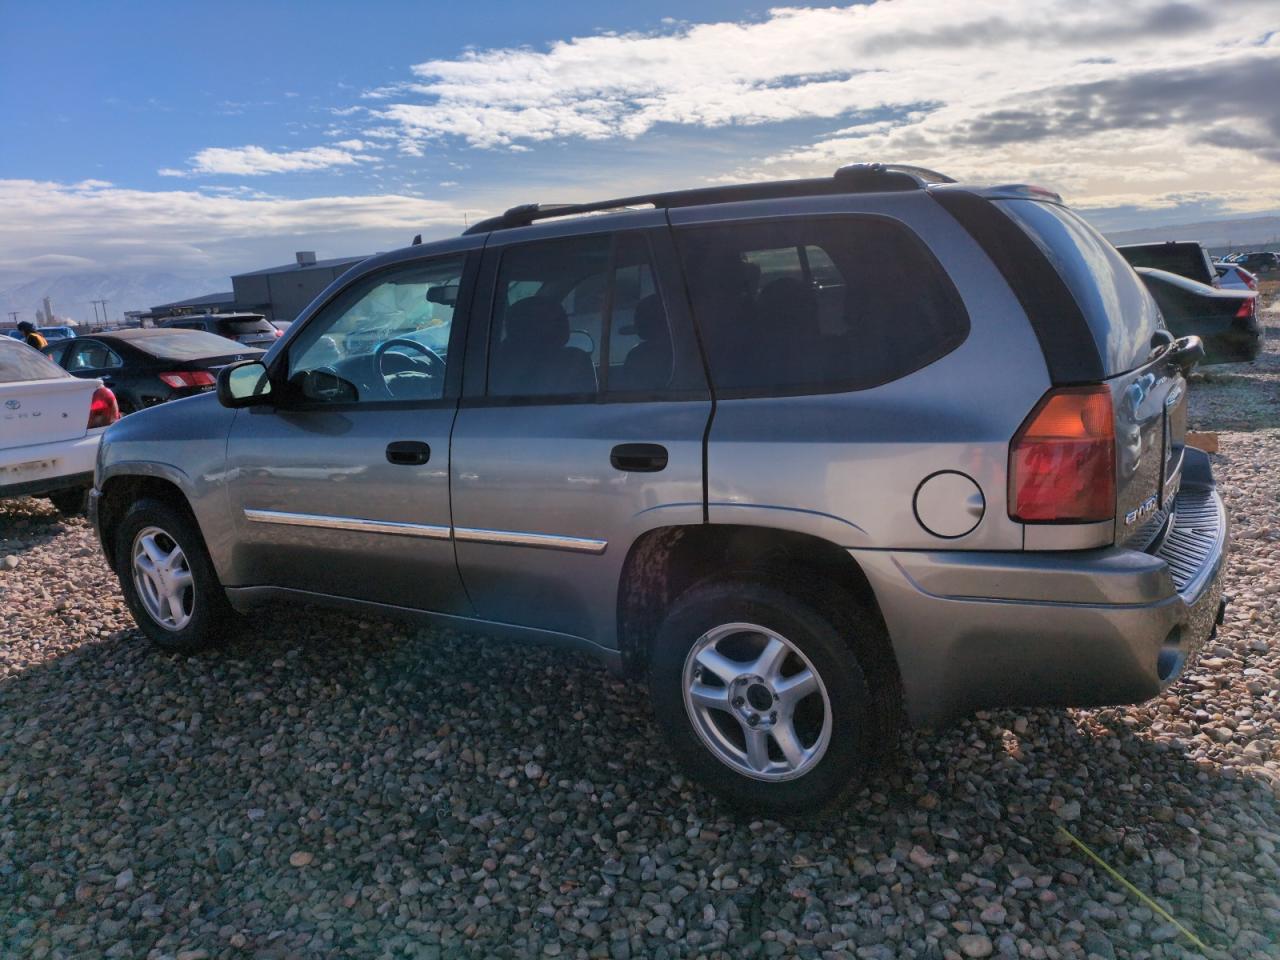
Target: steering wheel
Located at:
point(435, 364)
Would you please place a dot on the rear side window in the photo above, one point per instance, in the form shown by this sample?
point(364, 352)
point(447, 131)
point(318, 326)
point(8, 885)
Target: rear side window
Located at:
point(579, 317)
point(1116, 305)
point(818, 305)
point(19, 362)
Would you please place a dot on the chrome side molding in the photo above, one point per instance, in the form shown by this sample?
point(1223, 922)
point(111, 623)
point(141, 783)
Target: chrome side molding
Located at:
point(429, 531)
point(546, 541)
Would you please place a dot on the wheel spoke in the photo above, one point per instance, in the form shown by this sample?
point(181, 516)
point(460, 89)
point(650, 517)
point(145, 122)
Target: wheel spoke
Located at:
point(713, 698)
point(153, 551)
point(757, 747)
point(711, 659)
point(784, 735)
point(791, 690)
point(180, 580)
point(769, 663)
point(144, 563)
point(174, 559)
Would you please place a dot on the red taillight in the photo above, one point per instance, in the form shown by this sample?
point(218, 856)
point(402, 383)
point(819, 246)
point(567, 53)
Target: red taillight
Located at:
point(103, 411)
point(1246, 309)
point(1062, 461)
point(188, 378)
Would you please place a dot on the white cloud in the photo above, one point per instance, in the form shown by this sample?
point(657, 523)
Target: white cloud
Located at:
point(957, 86)
point(176, 229)
point(252, 161)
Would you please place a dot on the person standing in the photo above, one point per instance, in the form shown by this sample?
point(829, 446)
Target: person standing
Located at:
point(31, 336)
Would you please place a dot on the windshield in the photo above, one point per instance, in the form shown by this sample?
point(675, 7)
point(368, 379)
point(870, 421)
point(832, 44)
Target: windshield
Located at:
point(19, 362)
point(192, 345)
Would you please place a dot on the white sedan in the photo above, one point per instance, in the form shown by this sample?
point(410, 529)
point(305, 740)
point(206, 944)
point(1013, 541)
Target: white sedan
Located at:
point(50, 424)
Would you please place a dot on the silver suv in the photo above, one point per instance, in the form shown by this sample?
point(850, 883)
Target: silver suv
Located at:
point(809, 458)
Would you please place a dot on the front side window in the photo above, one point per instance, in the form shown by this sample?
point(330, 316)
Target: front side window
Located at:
point(818, 305)
point(579, 317)
point(386, 337)
point(92, 355)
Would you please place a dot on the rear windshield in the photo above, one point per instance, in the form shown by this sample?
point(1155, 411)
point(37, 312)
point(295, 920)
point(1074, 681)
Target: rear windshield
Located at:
point(810, 305)
point(1184, 259)
point(1120, 312)
point(19, 362)
point(238, 328)
point(191, 345)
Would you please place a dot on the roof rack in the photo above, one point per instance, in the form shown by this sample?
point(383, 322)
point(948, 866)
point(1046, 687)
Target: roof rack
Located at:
point(852, 178)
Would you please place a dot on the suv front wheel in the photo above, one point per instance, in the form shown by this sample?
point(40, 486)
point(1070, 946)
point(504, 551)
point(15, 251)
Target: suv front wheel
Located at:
point(168, 579)
point(762, 697)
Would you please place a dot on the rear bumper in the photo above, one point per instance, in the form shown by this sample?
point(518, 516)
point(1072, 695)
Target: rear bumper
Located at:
point(1084, 628)
point(45, 468)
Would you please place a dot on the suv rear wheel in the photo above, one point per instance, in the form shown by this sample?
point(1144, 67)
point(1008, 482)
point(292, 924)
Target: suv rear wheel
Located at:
point(168, 579)
point(762, 697)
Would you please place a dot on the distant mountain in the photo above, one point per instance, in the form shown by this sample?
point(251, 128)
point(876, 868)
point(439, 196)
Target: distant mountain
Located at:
point(1241, 233)
point(70, 294)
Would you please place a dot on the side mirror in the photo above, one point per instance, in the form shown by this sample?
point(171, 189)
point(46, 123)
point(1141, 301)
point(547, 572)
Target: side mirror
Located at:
point(244, 384)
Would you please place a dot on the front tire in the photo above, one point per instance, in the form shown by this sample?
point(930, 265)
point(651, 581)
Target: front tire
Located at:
point(168, 580)
point(762, 697)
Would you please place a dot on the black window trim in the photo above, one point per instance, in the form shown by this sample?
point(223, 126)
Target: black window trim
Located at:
point(829, 387)
point(1066, 341)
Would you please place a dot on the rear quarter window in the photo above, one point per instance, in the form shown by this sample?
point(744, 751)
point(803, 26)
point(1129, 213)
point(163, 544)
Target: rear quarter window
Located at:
point(1119, 310)
point(818, 305)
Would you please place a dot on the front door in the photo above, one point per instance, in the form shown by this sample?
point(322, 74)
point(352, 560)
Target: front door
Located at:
point(343, 489)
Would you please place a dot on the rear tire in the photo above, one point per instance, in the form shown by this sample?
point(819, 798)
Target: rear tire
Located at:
point(71, 502)
point(168, 580)
point(730, 682)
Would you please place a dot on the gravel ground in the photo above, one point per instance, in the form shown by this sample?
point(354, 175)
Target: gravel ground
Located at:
point(328, 786)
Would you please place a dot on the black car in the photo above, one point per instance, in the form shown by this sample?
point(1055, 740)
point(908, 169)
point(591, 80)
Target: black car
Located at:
point(251, 329)
point(146, 367)
point(1261, 262)
point(1226, 320)
point(1187, 258)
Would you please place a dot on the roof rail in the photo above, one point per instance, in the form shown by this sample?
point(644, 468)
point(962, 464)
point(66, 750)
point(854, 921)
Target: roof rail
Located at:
point(852, 178)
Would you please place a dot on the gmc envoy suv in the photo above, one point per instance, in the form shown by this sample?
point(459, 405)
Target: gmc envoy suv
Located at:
point(809, 458)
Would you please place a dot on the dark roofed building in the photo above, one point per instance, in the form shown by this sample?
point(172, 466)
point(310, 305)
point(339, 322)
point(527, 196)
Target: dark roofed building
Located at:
point(282, 292)
point(209, 303)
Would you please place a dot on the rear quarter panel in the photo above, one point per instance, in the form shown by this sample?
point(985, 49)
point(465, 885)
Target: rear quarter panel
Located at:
point(846, 466)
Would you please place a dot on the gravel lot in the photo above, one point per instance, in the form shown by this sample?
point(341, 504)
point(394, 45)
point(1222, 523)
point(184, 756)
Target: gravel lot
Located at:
point(327, 786)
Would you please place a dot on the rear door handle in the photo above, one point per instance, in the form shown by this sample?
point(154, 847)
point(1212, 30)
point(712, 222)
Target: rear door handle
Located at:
point(639, 457)
point(409, 453)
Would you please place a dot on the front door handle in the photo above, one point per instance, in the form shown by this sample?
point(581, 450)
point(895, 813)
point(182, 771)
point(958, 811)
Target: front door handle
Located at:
point(409, 453)
point(639, 457)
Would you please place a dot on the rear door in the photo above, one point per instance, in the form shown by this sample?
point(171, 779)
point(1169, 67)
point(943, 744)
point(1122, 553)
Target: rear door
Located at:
point(1148, 390)
point(581, 424)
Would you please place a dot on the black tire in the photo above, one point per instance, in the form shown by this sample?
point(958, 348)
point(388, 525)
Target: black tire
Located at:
point(209, 612)
point(823, 639)
point(70, 502)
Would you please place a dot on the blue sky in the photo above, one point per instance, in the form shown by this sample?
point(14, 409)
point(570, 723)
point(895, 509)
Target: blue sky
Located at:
point(216, 137)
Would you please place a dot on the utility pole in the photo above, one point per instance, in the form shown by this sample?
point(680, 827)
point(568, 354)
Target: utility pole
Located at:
point(95, 311)
point(105, 321)
point(13, 316)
